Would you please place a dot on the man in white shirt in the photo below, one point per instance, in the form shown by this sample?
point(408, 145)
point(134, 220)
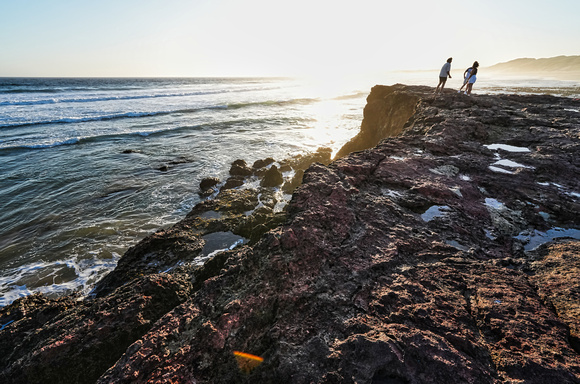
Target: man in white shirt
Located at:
point(445, 71)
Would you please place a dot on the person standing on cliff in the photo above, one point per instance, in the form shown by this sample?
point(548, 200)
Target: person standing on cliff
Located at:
point(472, 78)
point(466, 75)
point(445, 71)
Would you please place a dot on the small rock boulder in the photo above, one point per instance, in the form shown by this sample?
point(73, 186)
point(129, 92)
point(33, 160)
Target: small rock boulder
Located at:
point(233, 182)
point(208, 182)
point(262, 163)
point(240, 168)
point(272, 178)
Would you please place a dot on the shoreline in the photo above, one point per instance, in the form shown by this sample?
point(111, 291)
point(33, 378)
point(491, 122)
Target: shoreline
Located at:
point(171, 164)
point(71, 209)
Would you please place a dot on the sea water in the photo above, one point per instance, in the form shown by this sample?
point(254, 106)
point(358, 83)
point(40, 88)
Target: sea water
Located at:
point(88, 167)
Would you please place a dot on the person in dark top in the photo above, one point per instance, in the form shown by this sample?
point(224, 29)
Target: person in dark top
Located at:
point(472, 78)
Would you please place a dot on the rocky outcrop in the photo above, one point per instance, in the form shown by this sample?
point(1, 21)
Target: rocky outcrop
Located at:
point(555, 270)
point(425, 259)
point(386, 112)
point(69, 341)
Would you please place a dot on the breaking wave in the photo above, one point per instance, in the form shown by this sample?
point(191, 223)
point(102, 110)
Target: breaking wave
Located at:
point(128, 115)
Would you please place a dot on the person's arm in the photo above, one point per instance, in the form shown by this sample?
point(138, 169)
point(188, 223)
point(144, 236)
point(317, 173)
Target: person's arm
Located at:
point(473, 72)
point(449, 71)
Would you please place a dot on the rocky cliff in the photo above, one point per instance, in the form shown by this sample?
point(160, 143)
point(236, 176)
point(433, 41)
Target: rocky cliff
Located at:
point(447, 253)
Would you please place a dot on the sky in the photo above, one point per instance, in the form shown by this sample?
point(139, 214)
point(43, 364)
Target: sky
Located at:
point(197, 38)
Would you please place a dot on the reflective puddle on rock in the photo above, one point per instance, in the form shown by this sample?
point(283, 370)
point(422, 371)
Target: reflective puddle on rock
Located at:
point(533, 239)
point(435, 211)
point(218, 242)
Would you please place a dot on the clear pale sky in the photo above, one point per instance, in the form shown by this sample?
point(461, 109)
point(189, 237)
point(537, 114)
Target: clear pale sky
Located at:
point(276, 38)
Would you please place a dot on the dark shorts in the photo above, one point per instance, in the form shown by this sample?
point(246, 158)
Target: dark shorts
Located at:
point(442, 79)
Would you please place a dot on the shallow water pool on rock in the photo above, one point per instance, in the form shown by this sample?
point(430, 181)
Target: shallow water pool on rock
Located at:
point(218, 242)
point(434, 212)
point(507, 148)
point(533, 239)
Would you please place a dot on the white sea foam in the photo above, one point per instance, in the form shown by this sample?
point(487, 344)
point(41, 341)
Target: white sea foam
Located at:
point(71, 141)
point(85, 119)
point(119, 97)
point(46, 278)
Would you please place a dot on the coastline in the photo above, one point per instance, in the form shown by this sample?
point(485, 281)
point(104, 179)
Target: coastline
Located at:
point(358, 264)
point(70, 211)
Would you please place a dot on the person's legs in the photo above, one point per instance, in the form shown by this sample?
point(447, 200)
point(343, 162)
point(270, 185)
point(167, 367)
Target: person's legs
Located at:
point(468, 89)
point(441, 84)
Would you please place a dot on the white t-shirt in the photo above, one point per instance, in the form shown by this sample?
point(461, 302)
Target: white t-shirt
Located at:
point(446, 68)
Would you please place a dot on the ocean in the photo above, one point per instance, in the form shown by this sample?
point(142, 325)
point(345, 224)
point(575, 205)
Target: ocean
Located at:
point(90, 166)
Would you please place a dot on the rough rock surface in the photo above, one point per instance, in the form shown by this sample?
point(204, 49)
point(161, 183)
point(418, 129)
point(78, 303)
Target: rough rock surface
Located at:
point(386, 112)
point(425, 259)
point(67, 341)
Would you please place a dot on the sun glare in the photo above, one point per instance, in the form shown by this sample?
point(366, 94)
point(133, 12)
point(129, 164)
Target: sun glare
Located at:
point(326, 116)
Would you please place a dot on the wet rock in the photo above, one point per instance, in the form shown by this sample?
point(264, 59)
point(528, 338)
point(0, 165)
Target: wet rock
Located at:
point(254, 226)
point(68, 341)
point(208, 192)
point(240, 168)
point(233, 182)
point(272, 178)
point(207, 186)
point(303, 161)
point(163, 168)
point(262, 163)
point(294, 183)
point(208, 182)
point(156, 253)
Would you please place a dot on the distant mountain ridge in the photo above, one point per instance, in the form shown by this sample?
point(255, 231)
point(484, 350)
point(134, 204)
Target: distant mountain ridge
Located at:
point(558, 64)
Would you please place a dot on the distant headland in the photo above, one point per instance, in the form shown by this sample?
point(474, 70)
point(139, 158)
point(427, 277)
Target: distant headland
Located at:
point(561, 67)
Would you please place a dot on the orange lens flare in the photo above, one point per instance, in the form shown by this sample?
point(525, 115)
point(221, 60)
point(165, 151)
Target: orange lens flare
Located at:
point(247, 362)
